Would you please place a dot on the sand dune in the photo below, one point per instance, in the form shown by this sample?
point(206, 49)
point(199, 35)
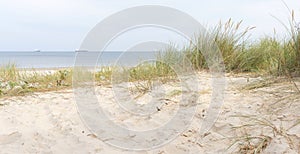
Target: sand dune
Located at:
point(50, 123)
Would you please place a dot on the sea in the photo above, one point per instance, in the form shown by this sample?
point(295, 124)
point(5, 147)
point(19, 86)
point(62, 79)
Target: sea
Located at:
point(62, 59)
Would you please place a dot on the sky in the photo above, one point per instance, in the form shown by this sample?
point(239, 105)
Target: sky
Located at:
point(61, 25)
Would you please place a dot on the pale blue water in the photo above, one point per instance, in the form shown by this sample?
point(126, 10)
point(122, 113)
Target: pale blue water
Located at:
point(67, 59)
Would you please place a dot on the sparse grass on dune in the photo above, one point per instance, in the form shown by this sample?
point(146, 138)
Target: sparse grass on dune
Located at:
point(9, 72)
point(142, 76)
point(267, 56)
point(14, 81)
point(252, 141)
point(278, 60)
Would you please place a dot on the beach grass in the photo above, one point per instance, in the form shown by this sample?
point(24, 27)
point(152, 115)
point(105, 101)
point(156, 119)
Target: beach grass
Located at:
point(14, 81)
point(266, 56)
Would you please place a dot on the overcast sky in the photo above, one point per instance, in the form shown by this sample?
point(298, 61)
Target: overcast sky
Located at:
point(56, 25)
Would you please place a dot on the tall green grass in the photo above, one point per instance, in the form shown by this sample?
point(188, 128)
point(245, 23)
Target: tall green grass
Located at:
point(228, 37)
point(290, 58)
point(267, 55)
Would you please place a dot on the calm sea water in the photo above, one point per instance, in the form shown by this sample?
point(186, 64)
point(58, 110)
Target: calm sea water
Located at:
point(67, 59)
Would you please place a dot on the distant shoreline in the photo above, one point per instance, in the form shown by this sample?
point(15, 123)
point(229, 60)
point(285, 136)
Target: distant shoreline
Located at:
point(37, 60)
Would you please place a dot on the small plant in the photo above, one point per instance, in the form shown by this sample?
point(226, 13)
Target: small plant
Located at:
point(12, 84)
point(253, 144)
point(257, 143)
point(175, 93)
point(143, 76)
point(143, 86)
point(104, 75)
point(62, 76)
point(250, 144)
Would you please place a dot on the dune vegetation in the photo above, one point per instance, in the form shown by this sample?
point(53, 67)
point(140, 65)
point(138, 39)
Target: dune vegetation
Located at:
point(14, 81)
point(268, 56)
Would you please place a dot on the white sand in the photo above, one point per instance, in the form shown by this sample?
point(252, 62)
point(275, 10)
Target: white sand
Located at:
point(49, 122)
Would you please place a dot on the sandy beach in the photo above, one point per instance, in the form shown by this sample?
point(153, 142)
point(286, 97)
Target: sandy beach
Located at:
point(262, 118)
point(141, 77)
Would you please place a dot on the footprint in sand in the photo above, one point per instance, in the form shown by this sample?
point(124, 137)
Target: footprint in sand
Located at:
point(7, 139)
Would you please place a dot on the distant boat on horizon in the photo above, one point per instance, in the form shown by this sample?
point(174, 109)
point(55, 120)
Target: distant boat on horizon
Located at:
point(37, 50)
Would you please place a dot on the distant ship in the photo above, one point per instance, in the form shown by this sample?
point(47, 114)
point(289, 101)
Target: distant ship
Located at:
point(79, 50)
point(37, 50)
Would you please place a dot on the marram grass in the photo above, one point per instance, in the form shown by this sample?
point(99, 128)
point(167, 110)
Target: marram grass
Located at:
point(268, 55)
